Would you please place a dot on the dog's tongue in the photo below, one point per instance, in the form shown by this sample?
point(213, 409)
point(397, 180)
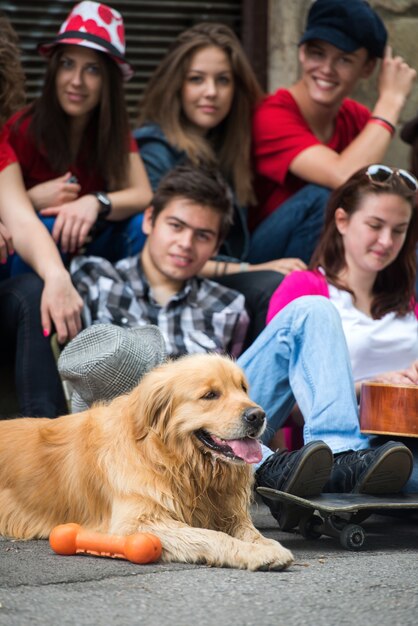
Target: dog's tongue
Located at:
point(247, 449)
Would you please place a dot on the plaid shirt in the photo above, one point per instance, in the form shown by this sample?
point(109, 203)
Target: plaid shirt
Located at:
point(203, 317)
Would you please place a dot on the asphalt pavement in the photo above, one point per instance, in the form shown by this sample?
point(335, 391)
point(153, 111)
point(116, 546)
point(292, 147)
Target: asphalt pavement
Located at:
point(327, 585)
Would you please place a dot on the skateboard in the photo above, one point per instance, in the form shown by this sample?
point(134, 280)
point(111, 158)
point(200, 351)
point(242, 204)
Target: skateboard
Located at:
point(340, 514)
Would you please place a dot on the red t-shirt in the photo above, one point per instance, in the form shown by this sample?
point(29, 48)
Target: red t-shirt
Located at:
point(17, 144)
point(280, 133)
point(7, 155)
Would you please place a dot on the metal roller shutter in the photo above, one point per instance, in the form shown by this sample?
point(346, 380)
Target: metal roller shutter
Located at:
point(150, 27)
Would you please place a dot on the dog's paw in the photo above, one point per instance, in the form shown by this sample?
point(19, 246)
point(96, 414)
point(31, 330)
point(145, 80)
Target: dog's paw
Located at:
point(271, 556)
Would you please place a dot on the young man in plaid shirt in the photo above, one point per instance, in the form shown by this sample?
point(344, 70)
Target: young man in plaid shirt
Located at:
point(189, 218)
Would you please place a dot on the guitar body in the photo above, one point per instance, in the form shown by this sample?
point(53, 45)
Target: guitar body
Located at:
point(389, 409)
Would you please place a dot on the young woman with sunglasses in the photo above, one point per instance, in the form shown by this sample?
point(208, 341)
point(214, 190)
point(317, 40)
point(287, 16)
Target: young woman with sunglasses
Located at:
point(365, 264)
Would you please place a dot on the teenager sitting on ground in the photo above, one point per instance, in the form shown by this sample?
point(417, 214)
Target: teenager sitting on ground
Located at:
point(365, 265)
point(160, 287)
point(29, 307)
point(189, 218)
point(197, 107)
point(79, 162)
point(309, 138)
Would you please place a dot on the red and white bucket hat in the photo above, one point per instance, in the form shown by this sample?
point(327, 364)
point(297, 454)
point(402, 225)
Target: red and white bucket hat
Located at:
point(97, 26)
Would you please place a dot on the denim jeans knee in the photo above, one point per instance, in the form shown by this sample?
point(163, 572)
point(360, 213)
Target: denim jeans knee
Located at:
point(302, 356)
point(293, 229)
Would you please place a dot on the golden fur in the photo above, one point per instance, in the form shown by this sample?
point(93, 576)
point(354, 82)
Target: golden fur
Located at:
point(136, 464)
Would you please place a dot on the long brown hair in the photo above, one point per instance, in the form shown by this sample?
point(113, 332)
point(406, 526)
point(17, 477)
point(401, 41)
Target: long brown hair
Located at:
point(108, 151)
point(229, 144)
point(12, 79)
point(394, 287)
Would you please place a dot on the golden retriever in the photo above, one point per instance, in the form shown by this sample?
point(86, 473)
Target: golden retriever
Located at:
point(173, 458)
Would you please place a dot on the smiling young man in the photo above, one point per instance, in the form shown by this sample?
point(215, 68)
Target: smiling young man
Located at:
point(188, 220)
point(309, 138)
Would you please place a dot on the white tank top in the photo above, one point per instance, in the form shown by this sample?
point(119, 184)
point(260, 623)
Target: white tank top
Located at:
point(376, 346)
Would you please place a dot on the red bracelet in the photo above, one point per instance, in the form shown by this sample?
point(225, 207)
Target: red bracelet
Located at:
point(375, 119)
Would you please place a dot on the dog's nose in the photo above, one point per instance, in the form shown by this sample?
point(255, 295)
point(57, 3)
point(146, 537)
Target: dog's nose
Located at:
point(254, 416)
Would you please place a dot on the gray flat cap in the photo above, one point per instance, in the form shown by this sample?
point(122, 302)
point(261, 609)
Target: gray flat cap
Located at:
point(105, 361)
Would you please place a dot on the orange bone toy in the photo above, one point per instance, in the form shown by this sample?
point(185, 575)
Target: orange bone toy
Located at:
point(141, 548)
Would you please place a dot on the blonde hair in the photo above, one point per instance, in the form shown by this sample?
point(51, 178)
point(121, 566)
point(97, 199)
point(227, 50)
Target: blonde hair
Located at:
point(228, 145)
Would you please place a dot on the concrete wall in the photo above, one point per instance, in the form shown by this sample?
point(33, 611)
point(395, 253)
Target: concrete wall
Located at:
point(287, 20)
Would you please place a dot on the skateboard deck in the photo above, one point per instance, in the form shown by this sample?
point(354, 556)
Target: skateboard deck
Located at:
point(338, 514)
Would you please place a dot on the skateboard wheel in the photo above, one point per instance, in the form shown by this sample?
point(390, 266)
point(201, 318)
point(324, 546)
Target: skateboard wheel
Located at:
point(352, 537)
point(309, 527)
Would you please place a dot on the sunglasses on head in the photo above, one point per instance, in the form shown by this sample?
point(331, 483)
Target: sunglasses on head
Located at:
point(382, 174)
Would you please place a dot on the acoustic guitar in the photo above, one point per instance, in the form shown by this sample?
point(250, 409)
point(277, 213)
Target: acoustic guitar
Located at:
point(389, 409)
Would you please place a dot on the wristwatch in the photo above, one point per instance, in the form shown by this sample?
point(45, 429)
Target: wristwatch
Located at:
point(105, 204)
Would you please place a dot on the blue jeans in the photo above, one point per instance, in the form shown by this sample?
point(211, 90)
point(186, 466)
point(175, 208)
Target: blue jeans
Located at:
point(301, 356)
point(24, 347)
point(293, 229)
point(118, 240)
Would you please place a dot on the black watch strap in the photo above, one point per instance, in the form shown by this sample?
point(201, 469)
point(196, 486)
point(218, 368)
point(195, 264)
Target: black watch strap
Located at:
point(105, 204)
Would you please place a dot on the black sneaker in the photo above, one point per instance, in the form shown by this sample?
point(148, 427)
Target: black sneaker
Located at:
point(302, 473)
point(373, 471)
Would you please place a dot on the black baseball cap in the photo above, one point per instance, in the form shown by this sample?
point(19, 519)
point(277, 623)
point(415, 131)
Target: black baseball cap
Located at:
point(347, 25)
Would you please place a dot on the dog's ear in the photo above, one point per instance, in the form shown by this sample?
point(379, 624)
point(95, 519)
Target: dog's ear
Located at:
point(153, 401)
